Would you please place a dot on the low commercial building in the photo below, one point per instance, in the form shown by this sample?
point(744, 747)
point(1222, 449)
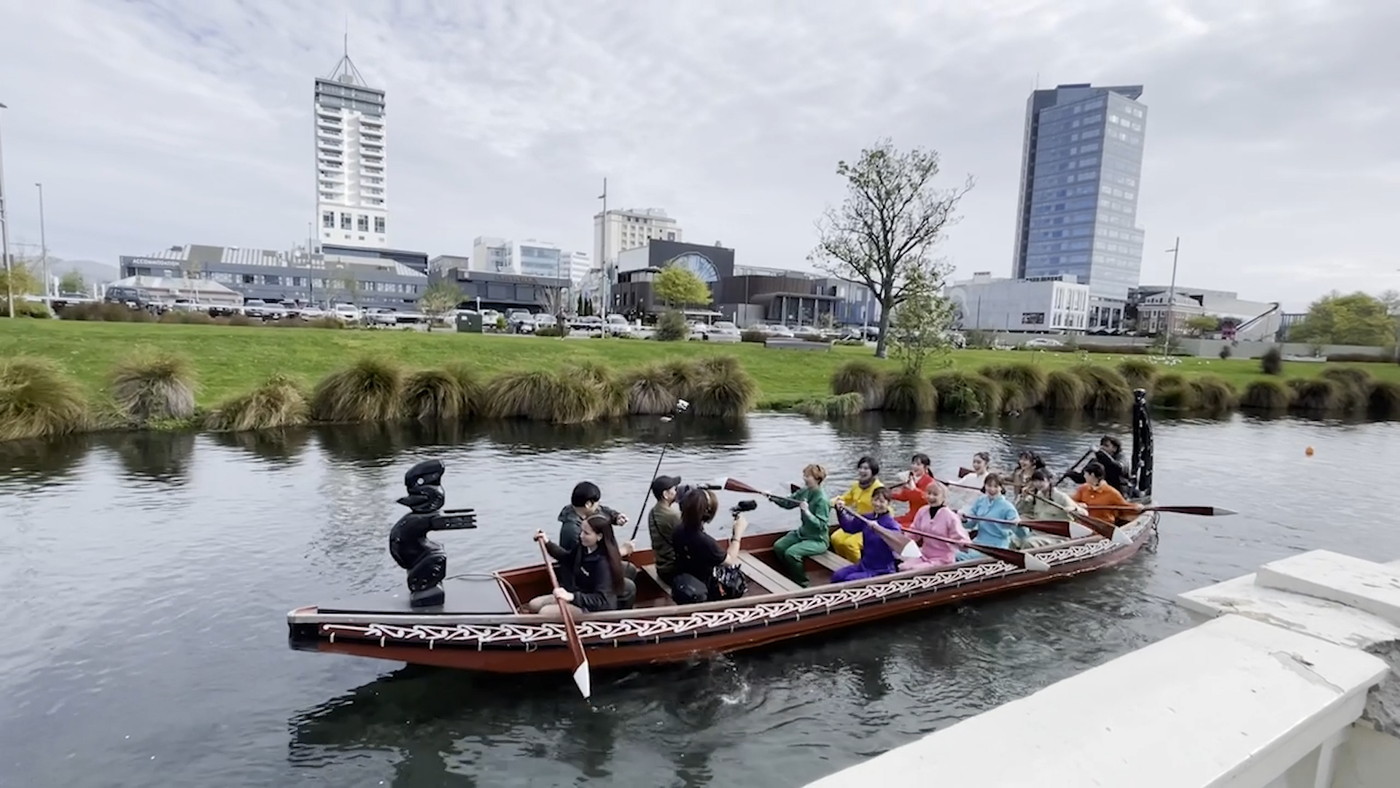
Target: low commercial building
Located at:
point(506, 292)
point(168, 289)
point(1041, 304)
point(276, 276)
point(1241, 319)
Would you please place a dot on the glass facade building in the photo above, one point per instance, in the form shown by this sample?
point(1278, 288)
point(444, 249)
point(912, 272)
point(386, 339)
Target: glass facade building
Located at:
point(1081, 167)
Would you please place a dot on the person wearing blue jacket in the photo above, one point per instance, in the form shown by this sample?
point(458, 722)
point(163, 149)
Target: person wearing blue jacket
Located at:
point(991, 505)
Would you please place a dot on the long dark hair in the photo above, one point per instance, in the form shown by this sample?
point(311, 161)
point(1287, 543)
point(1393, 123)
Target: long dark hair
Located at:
point(1036, 462)
point(697, 508)
point(602, 525)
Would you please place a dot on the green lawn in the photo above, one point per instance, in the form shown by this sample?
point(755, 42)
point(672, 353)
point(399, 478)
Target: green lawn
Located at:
point(232, 359)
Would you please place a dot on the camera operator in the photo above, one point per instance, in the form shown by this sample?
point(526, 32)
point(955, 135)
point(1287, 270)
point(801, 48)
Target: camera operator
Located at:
point(704, 572)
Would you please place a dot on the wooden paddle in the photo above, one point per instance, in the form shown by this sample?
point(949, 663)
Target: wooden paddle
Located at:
point(1199, 511)
point(1106, 530)
point(1081, 459)
point(1065, 528)
point(1016, 558)
point(582, 677)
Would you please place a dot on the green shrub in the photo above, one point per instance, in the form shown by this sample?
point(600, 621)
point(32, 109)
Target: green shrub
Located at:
point(861, 377)
point(25, 308)
point(1383, 401)
point(1354, 387)
point(908, 393)
point(966, 393)
point(1022, 385)
point(1224, 352)
point(1105, 390)
point(671, 326)
point(186, 318)
point(1214, 395)
point(152, 386)
point(1266, 396)
point(38, 400)
point(1065, 392)
point(1139, 373)
point(750, 335)
point(325, 322)
point(279, 401)
point(1317, 396)
point(371, 389)
point(552, 331)
point(241, 320)
point(1271, 363)
point(107, 312)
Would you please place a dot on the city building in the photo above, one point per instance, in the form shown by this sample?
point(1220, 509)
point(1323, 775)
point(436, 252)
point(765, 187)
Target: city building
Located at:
point(418, 261)
point(351, 183)
point(317, 278)
point(855, 305)
point(504, 292)
point(523, 258)
point(743, 294)
point(1041, 304)
point(1081, 167)
point(630, 228)
point(1244, 320)
point(443, 262)
point(492, 255)
point(577, 265)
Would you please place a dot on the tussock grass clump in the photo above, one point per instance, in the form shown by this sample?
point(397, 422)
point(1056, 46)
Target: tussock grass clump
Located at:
point(1271, 363)
point(1319, 395)
point(682, 377)
point(279, 401)
point(1354, 386)
point(469, 383)
point(543, 396)
point(1214, 394)
point(861, 377)
point(1172, 392)
point(38, 400)
point(432, 394)
point(1105, 390)
point(1065, 392)
point(240, 320)
point(835, 406)
point(725, 389)
point(1022, 385)
point(106, 312)
point(1140, 373)
point(908, 393)
point(612, 392)
point(371, 389)
point(189, 318)
point(1383, 401)
point(649, 391)
point(966, 393)
point(152, 386)
point(1266, 396)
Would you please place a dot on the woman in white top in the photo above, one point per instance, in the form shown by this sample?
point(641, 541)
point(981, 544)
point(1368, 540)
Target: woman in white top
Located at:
point(961, 497)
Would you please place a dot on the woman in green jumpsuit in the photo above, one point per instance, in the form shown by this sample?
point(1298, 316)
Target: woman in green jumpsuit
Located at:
point(813, 534)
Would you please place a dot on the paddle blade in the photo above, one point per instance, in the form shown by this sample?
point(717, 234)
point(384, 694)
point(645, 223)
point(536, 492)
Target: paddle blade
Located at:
point(910, 550)
point(964, 472)
point(1035, 564)
point(1199, 511)
point(1121, 537)
point(583, 680)
point(1078, 531)
point(734, 485)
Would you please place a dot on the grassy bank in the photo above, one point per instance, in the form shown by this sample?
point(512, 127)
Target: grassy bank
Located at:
point(232, 360)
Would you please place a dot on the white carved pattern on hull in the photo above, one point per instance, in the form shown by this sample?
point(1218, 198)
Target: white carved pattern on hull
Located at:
point(714, 621)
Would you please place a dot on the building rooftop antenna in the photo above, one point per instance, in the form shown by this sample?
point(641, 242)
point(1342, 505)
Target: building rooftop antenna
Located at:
point(345, 70)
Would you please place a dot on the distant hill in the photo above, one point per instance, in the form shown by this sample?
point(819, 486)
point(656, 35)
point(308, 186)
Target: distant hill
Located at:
point(93, 272)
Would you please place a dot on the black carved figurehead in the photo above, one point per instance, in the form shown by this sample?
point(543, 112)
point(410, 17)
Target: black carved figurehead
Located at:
point(409, 544)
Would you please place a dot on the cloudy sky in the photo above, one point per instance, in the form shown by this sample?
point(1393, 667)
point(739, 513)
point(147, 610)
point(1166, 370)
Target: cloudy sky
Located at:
point(1271, 146)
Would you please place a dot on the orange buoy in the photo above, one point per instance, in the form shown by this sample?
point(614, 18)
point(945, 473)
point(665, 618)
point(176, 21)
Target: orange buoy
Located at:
point(1308, 451)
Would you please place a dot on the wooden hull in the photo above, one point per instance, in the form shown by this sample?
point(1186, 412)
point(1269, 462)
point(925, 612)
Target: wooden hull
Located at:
point(480, 632)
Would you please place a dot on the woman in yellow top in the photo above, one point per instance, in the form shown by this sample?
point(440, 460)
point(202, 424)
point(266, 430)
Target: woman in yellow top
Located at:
point(857, 499)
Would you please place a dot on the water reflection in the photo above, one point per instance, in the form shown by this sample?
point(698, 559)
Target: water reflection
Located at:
point(152, 456)
point(43, 461)
point(277, 447)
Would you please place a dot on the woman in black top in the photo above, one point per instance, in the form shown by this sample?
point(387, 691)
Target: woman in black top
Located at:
point(697, 553)
point(590, 574)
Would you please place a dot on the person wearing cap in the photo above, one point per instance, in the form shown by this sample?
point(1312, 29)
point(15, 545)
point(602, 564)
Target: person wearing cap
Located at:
point(661, 524)
point(911, 490)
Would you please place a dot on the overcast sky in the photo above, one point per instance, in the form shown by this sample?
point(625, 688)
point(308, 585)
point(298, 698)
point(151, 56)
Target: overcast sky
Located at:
point(1271, 146)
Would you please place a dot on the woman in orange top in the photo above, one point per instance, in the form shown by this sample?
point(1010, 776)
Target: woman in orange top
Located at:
point(911, 490)
point(1101, 499)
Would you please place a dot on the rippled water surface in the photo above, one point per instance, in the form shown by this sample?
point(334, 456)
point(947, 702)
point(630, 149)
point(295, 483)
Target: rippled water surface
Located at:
point(146, 580)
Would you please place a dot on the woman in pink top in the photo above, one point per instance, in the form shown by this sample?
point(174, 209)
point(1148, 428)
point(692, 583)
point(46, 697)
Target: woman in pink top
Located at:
point(937, 519)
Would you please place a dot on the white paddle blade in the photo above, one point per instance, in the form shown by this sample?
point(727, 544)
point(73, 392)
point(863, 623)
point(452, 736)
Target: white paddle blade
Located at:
point(910, 550)
point(682, 406)
point(1080, 531)
point(583, 680)
point(1035, 564)
point(1121, 537)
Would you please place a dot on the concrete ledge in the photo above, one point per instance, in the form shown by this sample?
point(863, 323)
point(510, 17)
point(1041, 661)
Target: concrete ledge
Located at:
point(1354, 582)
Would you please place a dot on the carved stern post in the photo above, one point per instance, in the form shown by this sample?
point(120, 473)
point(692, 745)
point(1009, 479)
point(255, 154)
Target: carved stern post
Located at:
point(409, 545)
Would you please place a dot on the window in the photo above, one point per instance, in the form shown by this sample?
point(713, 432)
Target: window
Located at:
point(379, 224)
point(345, 221)
point(1032, 318)
point(328, 219)
point(362, 223)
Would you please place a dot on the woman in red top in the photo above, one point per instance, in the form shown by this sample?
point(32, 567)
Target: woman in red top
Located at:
point(911, 491)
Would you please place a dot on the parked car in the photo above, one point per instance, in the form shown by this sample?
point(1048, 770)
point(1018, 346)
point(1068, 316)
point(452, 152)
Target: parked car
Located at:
point(698, 330)
point(723, 331)
point(590, 324)
point(618, 326)
point(274, 312)
point(1044, 342)
point(311, 313)
point(521, 322)
point(379, 316)
point(346, 312)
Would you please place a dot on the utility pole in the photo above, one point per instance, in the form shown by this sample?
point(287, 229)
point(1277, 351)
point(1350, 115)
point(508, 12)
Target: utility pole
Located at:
point(5, 236)
point(310, 275)
point(1171, 293)
point(43, 242)
point(603, 252)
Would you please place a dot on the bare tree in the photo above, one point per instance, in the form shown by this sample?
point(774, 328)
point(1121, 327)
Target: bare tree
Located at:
point(883, 233)
point(554, 301)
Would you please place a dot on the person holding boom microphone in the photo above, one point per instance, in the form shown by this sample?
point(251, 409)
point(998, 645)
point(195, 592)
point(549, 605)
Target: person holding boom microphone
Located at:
point(704, 572)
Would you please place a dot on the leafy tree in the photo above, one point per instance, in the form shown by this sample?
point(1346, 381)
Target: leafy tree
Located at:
point(20, 276)
point(920, 324)
point(1355, 319)
point(680, 287)
point(440, 298)
point(671, 326)
point(1202, 324)
point(883, 233)
point(72, 282)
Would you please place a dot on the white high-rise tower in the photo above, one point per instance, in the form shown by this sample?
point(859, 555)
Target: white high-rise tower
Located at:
point(351, 190)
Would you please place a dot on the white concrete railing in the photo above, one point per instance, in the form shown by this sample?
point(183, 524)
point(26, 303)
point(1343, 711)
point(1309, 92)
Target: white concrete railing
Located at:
point(1285, 685)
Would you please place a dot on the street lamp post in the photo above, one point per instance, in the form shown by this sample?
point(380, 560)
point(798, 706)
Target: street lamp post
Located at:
point(43, 241)
point(5, 235)
point(1171, 294)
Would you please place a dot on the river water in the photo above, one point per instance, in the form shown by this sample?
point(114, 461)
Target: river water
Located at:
point(146, 579)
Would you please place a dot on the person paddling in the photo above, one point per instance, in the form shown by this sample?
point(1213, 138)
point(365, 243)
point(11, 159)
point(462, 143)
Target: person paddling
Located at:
point(846, 545)
point(1026, 464)
point(993, 505)
point(911, 490)
point(1100, 498)
point(876, 558)
point(1041, 501)
point(960, 496)
point(812, 536)
point(584, 503)
point(590, 573)
point(937, 519)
